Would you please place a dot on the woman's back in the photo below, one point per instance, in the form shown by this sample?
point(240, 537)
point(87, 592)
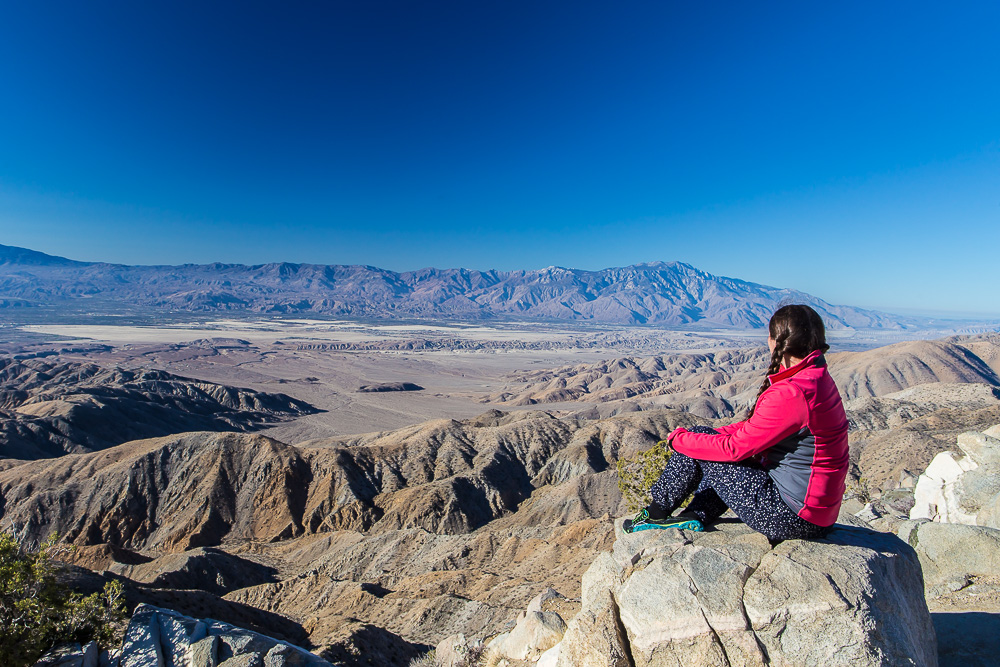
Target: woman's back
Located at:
point(810, 466)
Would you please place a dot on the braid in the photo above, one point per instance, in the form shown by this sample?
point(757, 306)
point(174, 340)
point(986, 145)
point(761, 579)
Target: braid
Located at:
point(797, 330)
point(776, 357)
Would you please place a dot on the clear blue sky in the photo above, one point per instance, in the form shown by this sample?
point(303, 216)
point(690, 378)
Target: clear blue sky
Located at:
point(850, 149)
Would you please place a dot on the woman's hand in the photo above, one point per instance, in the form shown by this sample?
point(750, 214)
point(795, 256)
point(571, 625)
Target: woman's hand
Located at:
point(675, 432)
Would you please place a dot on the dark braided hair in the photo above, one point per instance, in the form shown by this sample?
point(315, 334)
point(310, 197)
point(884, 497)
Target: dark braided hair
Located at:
point(797, 330)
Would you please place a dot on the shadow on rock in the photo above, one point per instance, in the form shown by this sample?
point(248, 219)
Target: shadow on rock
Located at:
point(370, 645)
point(967, 639)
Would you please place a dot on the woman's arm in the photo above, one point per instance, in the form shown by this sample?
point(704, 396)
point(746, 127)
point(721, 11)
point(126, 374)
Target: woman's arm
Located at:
point(780, 412)
point(729, 429)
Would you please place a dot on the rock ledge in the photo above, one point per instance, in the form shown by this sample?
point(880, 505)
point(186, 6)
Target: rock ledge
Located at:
point(726, 597)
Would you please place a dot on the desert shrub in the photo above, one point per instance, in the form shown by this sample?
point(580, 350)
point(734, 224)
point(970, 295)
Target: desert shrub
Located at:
point(637, 474)
point(426, 660)
point(470, 655)
point(859, 489)
point(37, 612)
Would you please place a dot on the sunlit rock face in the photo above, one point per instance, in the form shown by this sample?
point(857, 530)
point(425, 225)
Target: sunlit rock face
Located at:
point(728, 597)
point(963, 488)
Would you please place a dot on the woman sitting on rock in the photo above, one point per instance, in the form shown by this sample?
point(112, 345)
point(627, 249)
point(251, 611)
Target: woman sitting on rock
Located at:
point(782, 470)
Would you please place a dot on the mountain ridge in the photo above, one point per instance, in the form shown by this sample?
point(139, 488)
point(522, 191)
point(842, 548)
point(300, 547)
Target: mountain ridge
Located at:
point(652, 293)
point(52, 408)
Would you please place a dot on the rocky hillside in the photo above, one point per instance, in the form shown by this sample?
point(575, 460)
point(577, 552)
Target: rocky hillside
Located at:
point(203, 489)
point(51, 408)
point(711, 384)
point(889, 369)
point(906, 402)
point(657, 293)
point(443, 527)
point(723, 384)
point(393, 539)
point(894, 437)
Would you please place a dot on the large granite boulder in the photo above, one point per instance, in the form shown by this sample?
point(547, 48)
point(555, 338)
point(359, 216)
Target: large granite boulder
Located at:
point(962, 487)
point(158, 637)
point(727, 597)
point(534, 633)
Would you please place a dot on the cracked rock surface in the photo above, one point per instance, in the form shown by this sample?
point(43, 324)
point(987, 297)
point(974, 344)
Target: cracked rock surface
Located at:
point(158, 637)
point(727, 597)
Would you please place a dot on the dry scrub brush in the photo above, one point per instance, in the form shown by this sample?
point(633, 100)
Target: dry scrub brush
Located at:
point(37, 612)
point(637, 474)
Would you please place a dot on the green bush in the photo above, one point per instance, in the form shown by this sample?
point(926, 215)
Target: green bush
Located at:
point(37, 612)
point(637, 474)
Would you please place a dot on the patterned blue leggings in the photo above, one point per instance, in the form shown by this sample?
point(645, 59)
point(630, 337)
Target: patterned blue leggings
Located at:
point(744, 487)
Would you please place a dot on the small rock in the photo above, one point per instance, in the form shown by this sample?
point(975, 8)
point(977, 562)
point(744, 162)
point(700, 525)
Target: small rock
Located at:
point(63, 655)
point(244, 660)
point(278, 656)
point(851, 505)
point(962, 489)
point(550, 658)
point(537, 632)
point(868, 513)
point(203, 653)
point(595, 637)
point(538, 603)
point(452, 651)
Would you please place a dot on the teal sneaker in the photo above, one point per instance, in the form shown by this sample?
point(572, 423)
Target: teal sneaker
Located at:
point(642, 521)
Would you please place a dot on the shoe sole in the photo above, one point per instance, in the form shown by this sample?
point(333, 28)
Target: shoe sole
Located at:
point(693, 526)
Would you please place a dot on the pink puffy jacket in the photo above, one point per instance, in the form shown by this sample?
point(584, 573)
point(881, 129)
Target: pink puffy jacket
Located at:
point(799, 430)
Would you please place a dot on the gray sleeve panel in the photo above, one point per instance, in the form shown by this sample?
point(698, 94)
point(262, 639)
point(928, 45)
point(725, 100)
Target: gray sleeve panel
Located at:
point(790, 466)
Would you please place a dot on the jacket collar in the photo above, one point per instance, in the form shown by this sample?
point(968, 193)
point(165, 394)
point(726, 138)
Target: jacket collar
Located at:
point(815, 358)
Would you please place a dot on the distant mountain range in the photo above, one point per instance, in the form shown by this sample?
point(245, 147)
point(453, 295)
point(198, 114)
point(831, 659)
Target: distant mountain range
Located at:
point(657, 293)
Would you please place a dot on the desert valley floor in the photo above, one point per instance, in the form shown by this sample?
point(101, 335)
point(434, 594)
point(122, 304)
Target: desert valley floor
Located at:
point(326, 362)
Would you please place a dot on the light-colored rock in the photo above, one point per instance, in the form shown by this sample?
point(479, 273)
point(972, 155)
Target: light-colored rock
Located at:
point(495, 643)
point(852, 505)
point(962, 489)
point(550, 658)
point(934, 496)
point(244, 660)
point(989, 513)
point(141, 645)
point(65, 655)
point(603, 573)
point(952, 553)
point(980, 447)
point(726, 597)
point(452, 651)
point(535, 632)
point(595, 637)
point(540, 602)
point(686, 601)
point(868, 513)
point(854, 598)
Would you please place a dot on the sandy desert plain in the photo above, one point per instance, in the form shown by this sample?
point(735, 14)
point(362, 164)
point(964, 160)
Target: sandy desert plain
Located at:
point(324, 362)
